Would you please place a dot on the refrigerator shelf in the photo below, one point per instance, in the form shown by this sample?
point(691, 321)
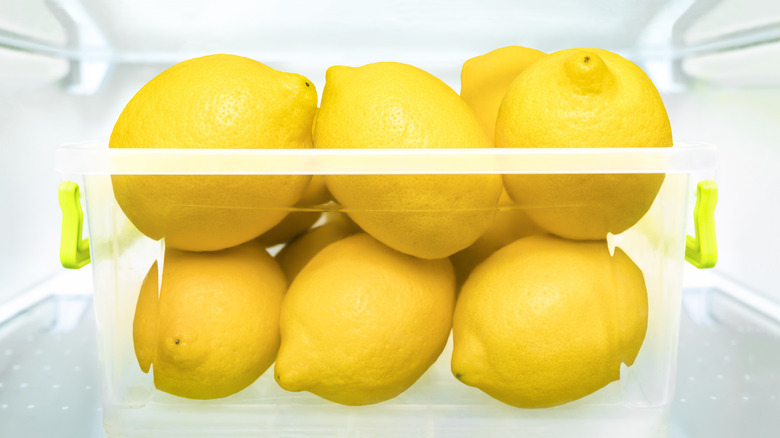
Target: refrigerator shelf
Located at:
point(728, 375)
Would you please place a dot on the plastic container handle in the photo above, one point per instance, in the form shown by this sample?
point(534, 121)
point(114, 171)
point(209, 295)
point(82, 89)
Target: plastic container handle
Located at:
point(702, 250)
point(74, 251)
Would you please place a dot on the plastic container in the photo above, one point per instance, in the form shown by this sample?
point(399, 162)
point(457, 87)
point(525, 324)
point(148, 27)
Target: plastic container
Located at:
point(437, 404)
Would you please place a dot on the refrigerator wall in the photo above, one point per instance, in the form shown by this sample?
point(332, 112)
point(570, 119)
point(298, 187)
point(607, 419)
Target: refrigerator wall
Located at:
point(67, 67)
point(728, 62)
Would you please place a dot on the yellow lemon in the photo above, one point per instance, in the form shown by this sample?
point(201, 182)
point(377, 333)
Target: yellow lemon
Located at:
point(297, 222)
point(215, 327)
point(393, 105)
point(511, 223)
point(583, 98)
point(217, 101)
point(484, 80)
point(296, 254)
point(545, 321)
point(362, 322)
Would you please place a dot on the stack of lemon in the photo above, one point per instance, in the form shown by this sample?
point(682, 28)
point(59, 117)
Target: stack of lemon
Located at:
point(357, 308)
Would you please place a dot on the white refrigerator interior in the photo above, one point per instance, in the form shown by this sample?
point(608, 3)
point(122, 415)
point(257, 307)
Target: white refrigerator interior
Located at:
point(68, 67)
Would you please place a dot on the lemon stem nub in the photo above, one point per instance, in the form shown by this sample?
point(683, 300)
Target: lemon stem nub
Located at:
point(587, 72)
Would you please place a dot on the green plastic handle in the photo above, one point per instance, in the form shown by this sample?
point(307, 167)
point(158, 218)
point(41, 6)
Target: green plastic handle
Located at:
point(702, 250)
point(74, 251)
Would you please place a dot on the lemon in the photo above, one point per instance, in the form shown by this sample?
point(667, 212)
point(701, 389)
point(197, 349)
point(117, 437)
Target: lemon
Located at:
point(394, 105)
point(362, 322)
point(297, 222)
point(485, 79)
point(511, 223)
point(296, 254)
point(217, 101)
point(581, 98)
point(215, 327)
point(545, 321)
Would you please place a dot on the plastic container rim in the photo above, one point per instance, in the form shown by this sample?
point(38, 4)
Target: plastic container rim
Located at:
point(98, 158)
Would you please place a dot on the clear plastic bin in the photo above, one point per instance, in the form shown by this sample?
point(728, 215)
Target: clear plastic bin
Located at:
point(437, 404)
